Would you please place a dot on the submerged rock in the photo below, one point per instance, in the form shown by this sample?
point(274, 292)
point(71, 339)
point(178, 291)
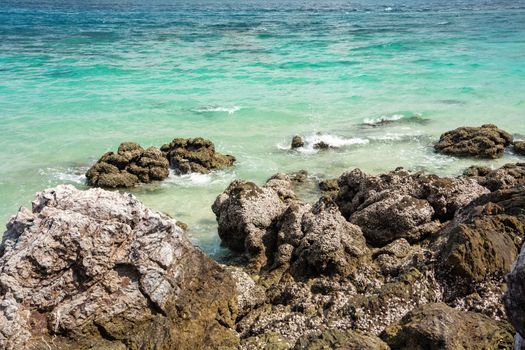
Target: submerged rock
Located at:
point(486, 141)
point(131, 165)
point(195, 155)
point(98, 270)
point(297, 142)
point(438, 326)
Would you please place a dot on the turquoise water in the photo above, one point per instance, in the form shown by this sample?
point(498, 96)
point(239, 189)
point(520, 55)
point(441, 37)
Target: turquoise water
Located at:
point(78, 78)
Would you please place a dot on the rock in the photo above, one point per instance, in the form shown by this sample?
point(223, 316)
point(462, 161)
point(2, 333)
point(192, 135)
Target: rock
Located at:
point(509, 175)
point(247, 215)
point(129, 166)
point(338, 339)
point(486, 141)
point(266, 341)
point(396, 216)
point(519, 147)
point(400, 204)
point(438, 326)
point(322, 145)
point(195, 155)
point(379, 122)
point(297, 142)
point(98, 270)
point(515, 296)
point(330, 245)
point(482, 242)
point(249, 294)
point(329, 185)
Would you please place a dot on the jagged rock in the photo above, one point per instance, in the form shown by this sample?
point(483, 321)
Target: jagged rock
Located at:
point(400, 204)
point(482, 241)
point(486, 141)
point(249, 294)
point(247, 215)
point(337, 339)
point(509, 175)
point(438, 326)
point(297, 142)
point(98, 270)
point(129, 166)
point(519, 147)
point(329, 244)
point(196, 155)
point(386, 121)
point(515, 296)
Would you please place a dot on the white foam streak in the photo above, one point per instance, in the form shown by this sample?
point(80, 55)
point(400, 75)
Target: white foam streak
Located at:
point(214, 109)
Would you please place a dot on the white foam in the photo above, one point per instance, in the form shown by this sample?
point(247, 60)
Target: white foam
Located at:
point(198, 179)
point(331, 140)
point(383, 118)
point(215, 108)
point(68, 175)
point(388, 9)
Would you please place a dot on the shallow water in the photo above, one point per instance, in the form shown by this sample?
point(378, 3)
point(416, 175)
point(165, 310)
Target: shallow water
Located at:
point(77, 79)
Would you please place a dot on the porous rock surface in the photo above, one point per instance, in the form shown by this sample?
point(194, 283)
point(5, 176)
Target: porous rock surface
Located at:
point(195, 155)
point(509, 175)
point(438, 326)
point(130, 166)
point(332, 280)
point(98, 270)
point(400, 204)
point(487, 141)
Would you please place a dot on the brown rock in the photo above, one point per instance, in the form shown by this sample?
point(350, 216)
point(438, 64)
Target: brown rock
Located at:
point(338, 339)
point(519, 147)
point(438, 326)
point(486, 141)
point(297, 142)
point(509, 175)
point(128, 167)
point(195, 155)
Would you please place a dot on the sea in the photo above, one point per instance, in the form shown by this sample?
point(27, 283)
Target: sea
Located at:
point(379, 80)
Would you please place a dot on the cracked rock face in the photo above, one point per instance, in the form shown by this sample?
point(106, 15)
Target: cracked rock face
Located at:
point(130, 166)
point(96, 269)
point(487, 141)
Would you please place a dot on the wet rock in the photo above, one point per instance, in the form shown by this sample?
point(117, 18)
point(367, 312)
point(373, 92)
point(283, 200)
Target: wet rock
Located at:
point(519, 147)
point(379, 122)
point(297, 142)
point(486, 141)
point(438, 326)
point(98, 270)
point(515, 296)
point(338, 339)
point(509, 175)
point(329, 185)
point(196, 155)
point(400, 204)
point(129, 166)
point(482, 241)
point(321, 145)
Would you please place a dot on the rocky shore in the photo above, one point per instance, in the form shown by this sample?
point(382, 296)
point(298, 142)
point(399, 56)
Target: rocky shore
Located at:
point(398, 260)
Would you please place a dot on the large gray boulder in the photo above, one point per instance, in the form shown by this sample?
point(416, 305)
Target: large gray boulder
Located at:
point(98, 270)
